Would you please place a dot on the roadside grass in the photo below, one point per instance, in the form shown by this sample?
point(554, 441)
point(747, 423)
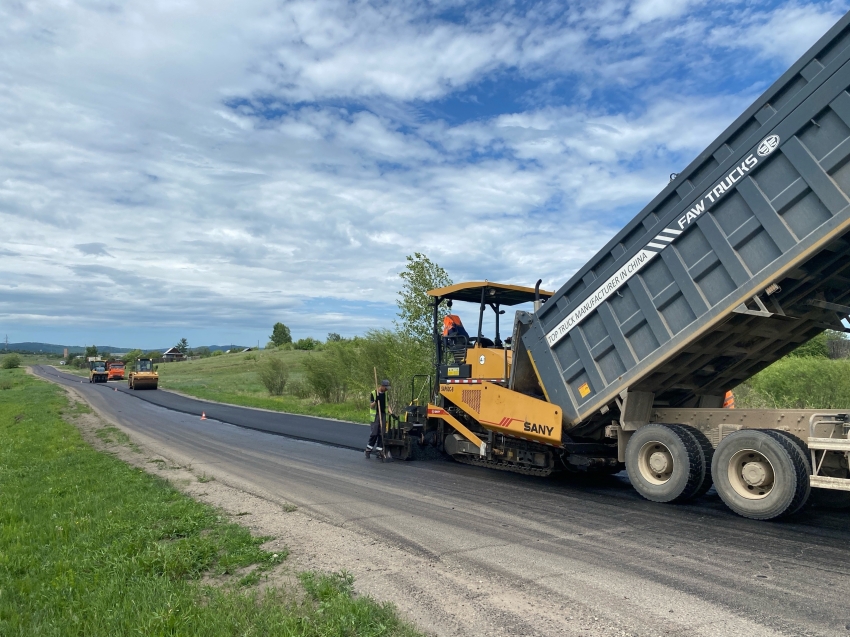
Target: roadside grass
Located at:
point(234, 379)
point(91, 546)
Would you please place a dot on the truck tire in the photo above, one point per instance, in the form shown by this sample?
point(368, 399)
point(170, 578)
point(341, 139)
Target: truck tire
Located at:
point(760, 474)
point(665, 463)
point(803, 450)
point(707, 454)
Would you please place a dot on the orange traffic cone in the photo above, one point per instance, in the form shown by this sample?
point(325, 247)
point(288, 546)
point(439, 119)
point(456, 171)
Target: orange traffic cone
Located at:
point(203, 416)
point(729, 400)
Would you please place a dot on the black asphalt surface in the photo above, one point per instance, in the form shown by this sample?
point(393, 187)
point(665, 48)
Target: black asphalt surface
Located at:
point(516, 555)
point(326, 431)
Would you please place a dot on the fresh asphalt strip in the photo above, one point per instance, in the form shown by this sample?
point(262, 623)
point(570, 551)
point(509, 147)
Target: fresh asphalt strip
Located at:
point(322, 430)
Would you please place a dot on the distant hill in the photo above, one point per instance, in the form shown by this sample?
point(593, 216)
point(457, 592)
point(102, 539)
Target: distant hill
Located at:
point(51, 348)
point(223, 348)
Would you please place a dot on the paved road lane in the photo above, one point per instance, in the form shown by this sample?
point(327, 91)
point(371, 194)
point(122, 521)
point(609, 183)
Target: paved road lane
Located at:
point(326, 431)
point(492, 553)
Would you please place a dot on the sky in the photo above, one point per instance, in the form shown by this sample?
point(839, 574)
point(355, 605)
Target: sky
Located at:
point(204, 169)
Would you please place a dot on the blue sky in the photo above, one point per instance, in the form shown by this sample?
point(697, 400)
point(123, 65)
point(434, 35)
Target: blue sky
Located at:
point(204, 169)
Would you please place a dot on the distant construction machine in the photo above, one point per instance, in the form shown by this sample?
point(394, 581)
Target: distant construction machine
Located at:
point(143, 375)
point(741, 258)
point(97, 370)
point(116, 370)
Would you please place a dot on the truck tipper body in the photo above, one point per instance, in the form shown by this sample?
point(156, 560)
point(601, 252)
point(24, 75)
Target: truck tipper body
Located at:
point(740, 259)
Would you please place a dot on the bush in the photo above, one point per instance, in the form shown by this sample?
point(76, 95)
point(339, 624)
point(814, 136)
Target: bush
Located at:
point(11, 361)
point(274, 374)
point(799, 383)
point(328, 380)
point(346, 369)
point(218, 352)
point(308, 343)
point(299, 389)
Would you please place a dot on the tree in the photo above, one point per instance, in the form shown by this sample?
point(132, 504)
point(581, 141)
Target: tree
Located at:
point(333, 337)
point(182, 346)
point(280, 334)
point(415, 307)
point(131, 356)
point(815, 347)
point(91, 351)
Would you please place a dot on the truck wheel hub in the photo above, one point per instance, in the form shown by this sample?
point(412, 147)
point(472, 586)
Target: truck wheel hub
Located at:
point(659, 462)
point(754, 473)
point(750, 474)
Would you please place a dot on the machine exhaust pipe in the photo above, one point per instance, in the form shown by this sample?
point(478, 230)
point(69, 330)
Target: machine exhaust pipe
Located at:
point(537, 302)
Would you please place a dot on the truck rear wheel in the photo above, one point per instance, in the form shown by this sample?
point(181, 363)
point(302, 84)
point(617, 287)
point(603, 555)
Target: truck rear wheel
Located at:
point(803, 450)
point(761, 474)
point(665, 463)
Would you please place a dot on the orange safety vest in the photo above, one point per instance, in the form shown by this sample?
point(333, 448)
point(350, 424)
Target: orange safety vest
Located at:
point(450, 321)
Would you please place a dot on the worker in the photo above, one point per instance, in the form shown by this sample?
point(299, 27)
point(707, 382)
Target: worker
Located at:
point(378, 411)
point(452, 326)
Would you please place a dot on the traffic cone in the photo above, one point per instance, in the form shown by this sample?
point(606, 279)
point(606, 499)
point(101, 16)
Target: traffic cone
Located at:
point(203, 416)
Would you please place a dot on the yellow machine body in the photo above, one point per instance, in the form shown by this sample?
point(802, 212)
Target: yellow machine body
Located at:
point(489, 363)
point(97, 371)
point(507, 412)
point(143, 375)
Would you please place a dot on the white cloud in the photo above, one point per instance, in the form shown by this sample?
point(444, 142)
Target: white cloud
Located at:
point(784, 34)
point(217, 164)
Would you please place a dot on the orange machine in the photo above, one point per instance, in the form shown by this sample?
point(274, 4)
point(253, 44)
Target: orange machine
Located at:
point(116, 370)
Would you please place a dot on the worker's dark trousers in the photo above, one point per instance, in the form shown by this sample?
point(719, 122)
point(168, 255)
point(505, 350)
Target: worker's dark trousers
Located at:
point(374, 435)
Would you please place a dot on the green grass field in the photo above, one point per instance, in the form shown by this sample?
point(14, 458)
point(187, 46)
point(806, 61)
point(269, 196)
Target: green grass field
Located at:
point(233, 378)
point(91, 546)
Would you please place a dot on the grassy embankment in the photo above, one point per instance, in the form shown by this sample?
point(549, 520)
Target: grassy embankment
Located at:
point(798, 383)
point(91, 546)
point(233, 378)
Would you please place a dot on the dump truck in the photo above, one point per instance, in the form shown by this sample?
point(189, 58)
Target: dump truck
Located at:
point(143, 375)
point(741, 258)
point(97, 370)
point(116, 370)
